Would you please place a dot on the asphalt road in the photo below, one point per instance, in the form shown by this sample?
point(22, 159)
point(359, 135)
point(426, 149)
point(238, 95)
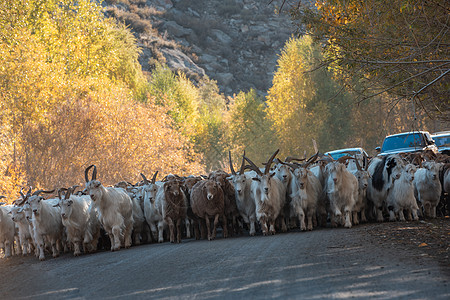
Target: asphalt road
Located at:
point(322, 264)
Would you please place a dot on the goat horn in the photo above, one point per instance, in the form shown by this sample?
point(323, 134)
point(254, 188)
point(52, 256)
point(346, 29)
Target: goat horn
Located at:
point(36, 193)
point(69, 192)
point(29, 191)
point(231, 164)
point(241, 171)
point(269, 162)
point(59, 192)
point(74, 188)
point(311, 160)
point(154, 177)
point(145, 178)
point(357, 164)
point(21, 193)
point(291, 158)
point(253, 167)
point(94, 173)
point(86, 173)
point(343, 159)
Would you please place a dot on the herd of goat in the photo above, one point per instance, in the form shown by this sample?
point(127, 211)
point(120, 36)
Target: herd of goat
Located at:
point(281, 195)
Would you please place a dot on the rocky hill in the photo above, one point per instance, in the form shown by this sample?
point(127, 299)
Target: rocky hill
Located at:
point(235, 42)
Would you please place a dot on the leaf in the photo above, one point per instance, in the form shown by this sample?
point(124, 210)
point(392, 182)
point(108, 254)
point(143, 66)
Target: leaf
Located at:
point(423, 245)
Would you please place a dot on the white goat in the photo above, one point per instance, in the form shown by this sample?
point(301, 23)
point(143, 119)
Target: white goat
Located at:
point(47, 223)
point(428, 188)
point(153, 213)
point(244, 197)
point(401, 196)
point(25, 235)
point(363, 177)
point(7, 231)
point(342, 191)
point(115, 210)
point(383, 171)
point(305, 190)
point(80, 219)
point(269, 194)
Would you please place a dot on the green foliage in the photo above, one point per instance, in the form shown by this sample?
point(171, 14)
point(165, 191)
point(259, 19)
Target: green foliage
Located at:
point(249, 128)
point(305, 104)
point(179, 95)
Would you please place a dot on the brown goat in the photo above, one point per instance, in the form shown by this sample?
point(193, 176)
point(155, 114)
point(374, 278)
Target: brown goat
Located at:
point(174, 208)
point(231, 209)
point(207, 200)
point(189, 183)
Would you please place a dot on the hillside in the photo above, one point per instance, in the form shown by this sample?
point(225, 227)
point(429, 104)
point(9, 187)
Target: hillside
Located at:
point(235, 42)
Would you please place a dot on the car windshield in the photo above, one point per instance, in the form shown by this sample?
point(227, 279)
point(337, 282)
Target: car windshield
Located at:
point(338, 155)
point(442, 140)
point(403, 141)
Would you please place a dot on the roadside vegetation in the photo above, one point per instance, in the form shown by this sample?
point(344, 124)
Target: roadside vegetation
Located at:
point(72, 93)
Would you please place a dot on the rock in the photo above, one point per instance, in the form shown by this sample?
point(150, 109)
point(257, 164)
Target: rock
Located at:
point(160, 5)
point(224, 78)
point(207, 59)
point(240, 52)
point(178, 61)
point(221, 36)
point(176, 30)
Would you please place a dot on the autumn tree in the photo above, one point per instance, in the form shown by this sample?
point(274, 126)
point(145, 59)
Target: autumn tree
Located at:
point(69, 81)
point(249, 129)
point(304, 104)
point(399, 48)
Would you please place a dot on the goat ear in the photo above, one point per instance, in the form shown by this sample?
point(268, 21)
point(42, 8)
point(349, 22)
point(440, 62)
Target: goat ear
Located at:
point(256, 179)
point(56, 205)
point(271, 175)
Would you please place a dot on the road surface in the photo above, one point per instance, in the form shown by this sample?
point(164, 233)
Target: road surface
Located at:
point(321, 264)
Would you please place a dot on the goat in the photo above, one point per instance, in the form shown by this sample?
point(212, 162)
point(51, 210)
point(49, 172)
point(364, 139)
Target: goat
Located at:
point(173, 203)
point(363, 177)
point(428, 188)
point(383, 171)
point(269, 194)
point(153, 214)
point(207, 200)
point(244, 198)
point(191, 218)
point(231, 210)
point(25, 235)
point(140, 226)
point(305, 190)
point(80, 219)
point(401, 196)
point(7, 231)
point(284, 173)
point(115, 210)
point(342, 191)
point(47, 223)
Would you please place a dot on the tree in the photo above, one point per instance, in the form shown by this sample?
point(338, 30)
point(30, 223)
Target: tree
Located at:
point(249, 129)
point(398, 47)
point(305, 105)
point(63, 106)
